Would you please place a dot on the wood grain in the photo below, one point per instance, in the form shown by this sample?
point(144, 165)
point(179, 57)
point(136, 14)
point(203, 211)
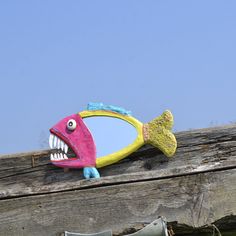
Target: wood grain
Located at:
point(195, 188)
point(200, 150)
point(192, 200)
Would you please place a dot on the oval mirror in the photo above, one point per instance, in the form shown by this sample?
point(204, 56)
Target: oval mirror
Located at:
point(110, 134)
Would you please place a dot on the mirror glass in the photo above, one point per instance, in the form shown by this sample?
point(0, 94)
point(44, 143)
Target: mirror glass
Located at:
point(110, 134)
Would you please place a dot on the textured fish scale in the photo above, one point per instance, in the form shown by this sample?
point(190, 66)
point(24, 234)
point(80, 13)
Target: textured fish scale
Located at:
point(160, 135)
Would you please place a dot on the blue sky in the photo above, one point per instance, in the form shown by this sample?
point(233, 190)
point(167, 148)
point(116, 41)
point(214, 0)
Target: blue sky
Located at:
point(146, 56)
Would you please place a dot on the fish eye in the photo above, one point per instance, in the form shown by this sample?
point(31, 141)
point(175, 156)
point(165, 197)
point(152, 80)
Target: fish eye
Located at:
point(71, 124)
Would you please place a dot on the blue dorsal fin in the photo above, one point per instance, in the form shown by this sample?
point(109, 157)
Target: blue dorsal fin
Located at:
point(93, 106)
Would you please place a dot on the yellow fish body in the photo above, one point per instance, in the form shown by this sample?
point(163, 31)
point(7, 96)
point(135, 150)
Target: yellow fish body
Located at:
point(157, 133)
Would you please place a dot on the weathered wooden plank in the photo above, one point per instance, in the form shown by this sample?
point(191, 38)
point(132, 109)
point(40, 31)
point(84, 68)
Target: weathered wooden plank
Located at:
point(58, 181)
point(198, 150)
point(187, 141)
point(194, 188)
point(194, 200)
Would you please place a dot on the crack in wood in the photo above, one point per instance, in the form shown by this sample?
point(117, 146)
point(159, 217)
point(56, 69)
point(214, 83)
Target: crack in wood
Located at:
point(195, 187)
point(113, 183)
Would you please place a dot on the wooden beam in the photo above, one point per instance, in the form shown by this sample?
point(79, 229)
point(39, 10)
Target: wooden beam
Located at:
point(194, 200)
point(194, 188)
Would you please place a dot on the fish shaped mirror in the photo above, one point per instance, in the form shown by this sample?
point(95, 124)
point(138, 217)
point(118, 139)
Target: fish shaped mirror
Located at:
point(110, 134)
point(103, 135)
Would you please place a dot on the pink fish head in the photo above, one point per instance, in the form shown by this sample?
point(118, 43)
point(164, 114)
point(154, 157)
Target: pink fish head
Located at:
point(73, 133)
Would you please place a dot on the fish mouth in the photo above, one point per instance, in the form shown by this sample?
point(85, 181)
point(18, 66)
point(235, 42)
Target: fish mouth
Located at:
point(64, 151)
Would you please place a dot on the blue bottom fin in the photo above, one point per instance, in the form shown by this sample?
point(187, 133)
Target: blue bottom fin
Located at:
point(91, 172)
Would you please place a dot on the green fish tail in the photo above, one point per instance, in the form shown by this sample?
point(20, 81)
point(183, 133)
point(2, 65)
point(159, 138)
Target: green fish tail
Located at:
point(158, 133)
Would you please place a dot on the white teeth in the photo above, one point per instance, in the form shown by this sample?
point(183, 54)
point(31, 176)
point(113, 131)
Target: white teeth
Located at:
point(66, 148)
point(51, 140)
point(58, 156)
point(55, 141)
point(62, 145)
point(58, 143)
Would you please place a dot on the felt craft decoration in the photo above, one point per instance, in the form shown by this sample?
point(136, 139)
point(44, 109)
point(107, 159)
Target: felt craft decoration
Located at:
point(72, 133)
